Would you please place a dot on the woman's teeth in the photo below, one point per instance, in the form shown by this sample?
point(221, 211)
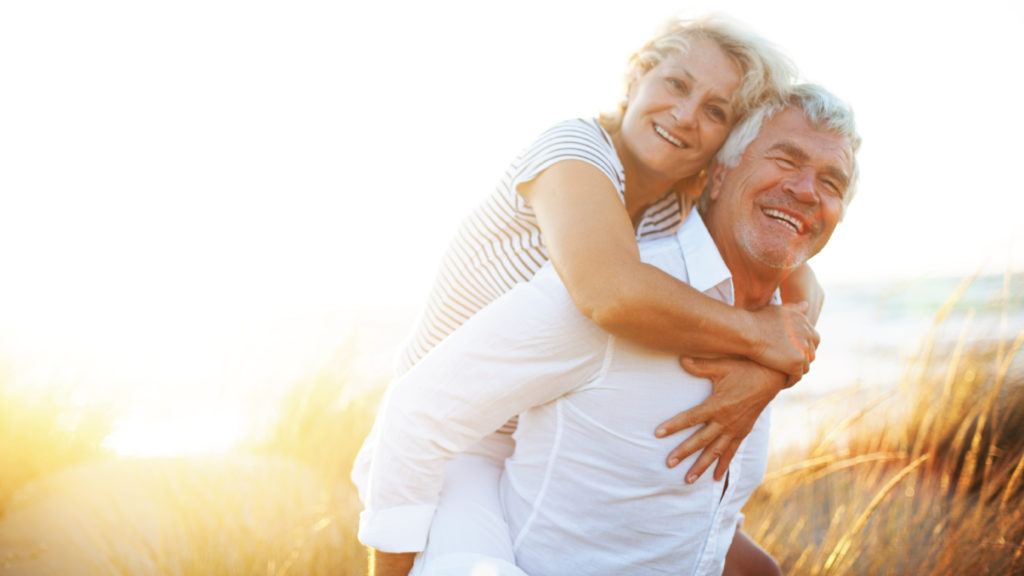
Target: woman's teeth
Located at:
point(672, 139)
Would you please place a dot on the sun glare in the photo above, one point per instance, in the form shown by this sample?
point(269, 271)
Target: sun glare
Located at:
point(198, 432)
point(186, 218)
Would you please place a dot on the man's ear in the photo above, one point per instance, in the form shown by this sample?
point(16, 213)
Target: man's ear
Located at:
point(716, 176)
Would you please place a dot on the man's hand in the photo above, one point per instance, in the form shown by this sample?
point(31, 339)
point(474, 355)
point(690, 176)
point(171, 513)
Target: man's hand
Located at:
point(741, 390)
point(391, 563)
point(786, 339)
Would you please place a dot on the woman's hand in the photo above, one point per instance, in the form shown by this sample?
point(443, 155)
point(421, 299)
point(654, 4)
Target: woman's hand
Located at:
point(741, 391)
point(787, 340)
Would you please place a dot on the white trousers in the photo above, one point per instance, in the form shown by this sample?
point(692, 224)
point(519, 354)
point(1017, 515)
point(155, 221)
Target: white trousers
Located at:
point(469, 535)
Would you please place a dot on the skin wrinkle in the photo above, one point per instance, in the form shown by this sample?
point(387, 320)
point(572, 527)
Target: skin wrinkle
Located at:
point(799, 154)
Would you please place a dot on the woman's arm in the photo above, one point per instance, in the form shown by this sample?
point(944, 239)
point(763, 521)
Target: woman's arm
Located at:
point(591, 242)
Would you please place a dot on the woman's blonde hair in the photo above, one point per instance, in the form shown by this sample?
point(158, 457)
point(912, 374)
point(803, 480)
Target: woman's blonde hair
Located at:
point(767, 72)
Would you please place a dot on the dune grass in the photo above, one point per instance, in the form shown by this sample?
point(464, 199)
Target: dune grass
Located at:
point(41, 432)
point(926, 480)
point(279, 505)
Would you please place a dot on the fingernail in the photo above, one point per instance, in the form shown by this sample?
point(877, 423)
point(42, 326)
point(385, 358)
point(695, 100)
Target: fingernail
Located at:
point(691, 478)
point(659, 432)
point(672, 462)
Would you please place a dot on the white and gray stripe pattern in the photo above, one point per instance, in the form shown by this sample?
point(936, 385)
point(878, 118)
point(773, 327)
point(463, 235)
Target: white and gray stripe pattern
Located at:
point(499, 244)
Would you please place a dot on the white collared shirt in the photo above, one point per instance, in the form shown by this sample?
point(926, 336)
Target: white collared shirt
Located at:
point(587, 490)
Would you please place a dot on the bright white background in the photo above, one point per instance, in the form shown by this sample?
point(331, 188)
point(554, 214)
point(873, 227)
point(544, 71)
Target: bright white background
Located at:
point(197, 196)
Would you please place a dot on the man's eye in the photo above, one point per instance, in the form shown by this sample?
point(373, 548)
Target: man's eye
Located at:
point(833, 188)
point(784, 162)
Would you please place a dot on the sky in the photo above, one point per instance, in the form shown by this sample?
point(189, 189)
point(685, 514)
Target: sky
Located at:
point(203, 192)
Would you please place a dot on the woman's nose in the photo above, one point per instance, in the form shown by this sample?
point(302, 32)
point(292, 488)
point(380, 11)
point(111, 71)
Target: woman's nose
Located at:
point(685, 112)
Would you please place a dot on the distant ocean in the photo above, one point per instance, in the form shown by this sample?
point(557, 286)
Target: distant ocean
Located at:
point(871, 331)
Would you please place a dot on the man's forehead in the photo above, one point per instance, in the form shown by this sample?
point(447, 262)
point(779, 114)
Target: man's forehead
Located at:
point(790, 132)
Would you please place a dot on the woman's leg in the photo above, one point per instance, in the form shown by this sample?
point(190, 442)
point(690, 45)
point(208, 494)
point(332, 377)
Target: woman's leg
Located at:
point(469, 535)
point(746, 558)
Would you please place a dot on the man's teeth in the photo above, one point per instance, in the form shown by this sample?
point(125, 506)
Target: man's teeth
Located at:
point(661, 132)
point(786, 218)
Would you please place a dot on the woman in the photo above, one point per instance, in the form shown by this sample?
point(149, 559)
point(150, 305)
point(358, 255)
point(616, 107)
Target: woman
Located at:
point(563, 199)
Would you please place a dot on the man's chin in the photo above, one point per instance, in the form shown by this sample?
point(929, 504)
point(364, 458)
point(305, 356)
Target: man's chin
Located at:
point(782, 260)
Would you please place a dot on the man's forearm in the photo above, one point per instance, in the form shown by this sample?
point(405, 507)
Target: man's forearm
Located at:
point(390, 563)
point(802, 286)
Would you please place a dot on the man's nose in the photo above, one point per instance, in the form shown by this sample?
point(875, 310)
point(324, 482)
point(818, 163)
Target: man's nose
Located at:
point(801, 186)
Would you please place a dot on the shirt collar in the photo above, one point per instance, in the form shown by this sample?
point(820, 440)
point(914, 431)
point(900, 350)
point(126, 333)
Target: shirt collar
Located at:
point(704, 264)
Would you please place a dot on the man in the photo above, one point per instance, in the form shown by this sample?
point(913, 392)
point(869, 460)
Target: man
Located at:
point(586, 490)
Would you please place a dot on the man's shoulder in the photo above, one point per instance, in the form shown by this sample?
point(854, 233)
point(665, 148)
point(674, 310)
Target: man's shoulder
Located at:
point(664, 253)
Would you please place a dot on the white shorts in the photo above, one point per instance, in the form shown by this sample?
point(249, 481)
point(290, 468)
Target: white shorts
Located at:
point(469, 535)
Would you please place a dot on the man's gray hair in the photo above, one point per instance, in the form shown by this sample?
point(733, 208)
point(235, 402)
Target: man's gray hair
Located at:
point(821, 108)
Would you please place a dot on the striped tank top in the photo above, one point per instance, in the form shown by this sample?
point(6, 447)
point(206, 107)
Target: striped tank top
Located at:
point(500, 245)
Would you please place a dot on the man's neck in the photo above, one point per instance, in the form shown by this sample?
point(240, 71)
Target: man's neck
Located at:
point(752, 291)
point(753, 283)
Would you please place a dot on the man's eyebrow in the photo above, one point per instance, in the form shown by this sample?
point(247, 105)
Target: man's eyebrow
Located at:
point(789, 149)
point(839, 174)
point(799, 154)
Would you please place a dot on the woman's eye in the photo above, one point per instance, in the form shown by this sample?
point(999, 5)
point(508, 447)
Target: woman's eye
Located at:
point(676, 84)
point(717, 113)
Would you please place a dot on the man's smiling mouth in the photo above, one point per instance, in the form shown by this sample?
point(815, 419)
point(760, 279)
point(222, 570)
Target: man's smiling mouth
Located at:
point(670, 138)
point(794, 223)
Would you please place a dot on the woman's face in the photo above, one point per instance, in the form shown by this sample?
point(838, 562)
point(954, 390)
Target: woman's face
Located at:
point(679, 112)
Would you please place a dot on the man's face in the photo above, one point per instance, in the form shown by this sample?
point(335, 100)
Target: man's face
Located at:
point(780, 205)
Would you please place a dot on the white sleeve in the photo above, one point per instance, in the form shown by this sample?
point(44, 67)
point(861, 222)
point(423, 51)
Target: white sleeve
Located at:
point(527, 348)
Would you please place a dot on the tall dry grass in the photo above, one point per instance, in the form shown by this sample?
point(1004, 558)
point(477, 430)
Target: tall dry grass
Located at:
point(42, 432)
point(928, 480)
point(280, 505)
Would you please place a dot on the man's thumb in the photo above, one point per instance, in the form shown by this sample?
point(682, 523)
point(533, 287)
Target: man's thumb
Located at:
point(696, 366)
